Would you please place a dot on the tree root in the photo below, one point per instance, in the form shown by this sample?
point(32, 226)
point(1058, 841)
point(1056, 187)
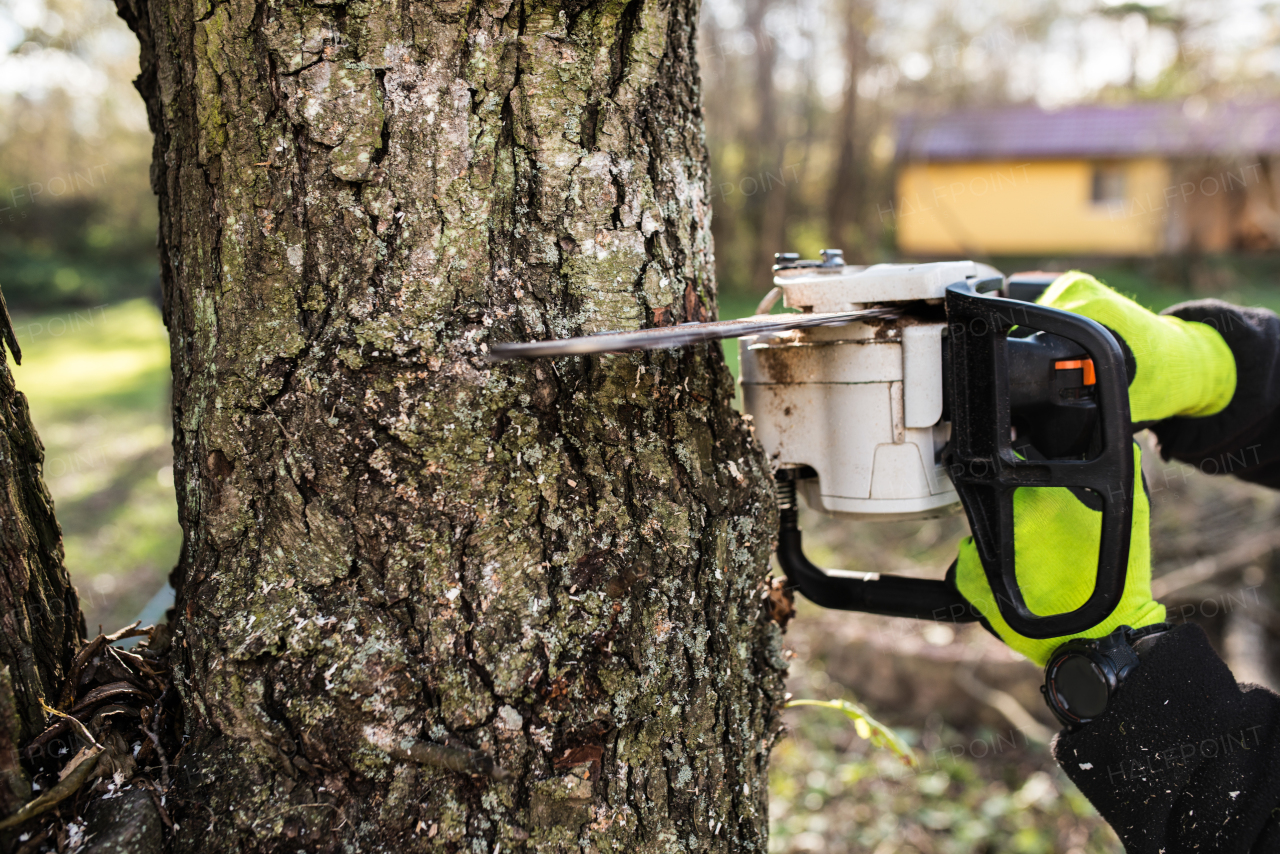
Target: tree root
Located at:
point(65, 788)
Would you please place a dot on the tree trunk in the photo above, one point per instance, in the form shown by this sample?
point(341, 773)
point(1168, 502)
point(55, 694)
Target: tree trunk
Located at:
point(428, 603)
point(40, 622)
point(768, 206)
point(844, 201)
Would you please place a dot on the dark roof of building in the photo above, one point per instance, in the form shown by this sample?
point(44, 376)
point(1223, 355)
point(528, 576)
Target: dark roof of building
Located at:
point(1176, 129)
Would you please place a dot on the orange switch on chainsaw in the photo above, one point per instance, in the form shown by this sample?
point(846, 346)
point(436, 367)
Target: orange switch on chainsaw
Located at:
point(1079, 364)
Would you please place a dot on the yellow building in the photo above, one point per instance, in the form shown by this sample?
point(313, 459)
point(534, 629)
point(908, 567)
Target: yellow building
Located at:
point(1136, 180)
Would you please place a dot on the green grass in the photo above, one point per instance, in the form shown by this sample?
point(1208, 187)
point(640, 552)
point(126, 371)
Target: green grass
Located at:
point(98, 384)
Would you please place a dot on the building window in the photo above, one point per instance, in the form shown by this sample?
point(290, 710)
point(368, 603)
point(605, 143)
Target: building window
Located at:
point(1107, 186)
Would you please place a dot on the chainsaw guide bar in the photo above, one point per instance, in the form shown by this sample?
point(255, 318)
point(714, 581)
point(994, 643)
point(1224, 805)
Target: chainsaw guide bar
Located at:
point(683, 335)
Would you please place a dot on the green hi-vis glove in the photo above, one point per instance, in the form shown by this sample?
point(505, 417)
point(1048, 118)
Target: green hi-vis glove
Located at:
point(1055, 545)
point(1183, 368)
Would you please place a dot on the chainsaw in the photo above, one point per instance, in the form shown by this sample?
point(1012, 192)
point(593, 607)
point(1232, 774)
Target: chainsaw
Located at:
point(910, 391)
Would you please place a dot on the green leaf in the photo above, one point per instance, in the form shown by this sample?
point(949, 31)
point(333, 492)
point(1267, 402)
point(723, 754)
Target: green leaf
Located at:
point(867, 727)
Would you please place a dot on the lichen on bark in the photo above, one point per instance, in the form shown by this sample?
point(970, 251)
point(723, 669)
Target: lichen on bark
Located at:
point(426, 602)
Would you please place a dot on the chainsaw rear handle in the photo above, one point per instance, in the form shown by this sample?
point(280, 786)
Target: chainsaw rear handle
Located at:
point(986, 471)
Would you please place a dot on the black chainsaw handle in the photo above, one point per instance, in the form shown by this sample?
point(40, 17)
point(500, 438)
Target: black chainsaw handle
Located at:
point(890, 595)
point(986, 471)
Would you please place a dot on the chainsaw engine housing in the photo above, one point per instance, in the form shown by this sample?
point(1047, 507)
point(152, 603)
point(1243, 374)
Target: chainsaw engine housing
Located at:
point(860, 404)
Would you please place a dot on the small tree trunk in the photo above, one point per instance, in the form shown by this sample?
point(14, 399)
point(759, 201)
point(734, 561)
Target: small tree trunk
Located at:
point(40, 622)
point(767, 205)
point(427, 603)
point(844, 201)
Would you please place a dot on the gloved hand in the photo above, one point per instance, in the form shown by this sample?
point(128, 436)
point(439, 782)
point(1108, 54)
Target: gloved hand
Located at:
point(1183, 369)
point(1055, 547)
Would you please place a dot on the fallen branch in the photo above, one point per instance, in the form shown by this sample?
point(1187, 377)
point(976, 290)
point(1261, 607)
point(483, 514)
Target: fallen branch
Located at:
point(867, 727)
point(1208, 568)
point(1004, 703)
point(131, 631)
point(1245, 648)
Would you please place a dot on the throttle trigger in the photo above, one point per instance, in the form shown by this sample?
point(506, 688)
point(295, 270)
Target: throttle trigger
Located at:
point(1090, 378)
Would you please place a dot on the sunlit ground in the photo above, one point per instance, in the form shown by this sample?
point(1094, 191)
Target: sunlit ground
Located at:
point(98, 384)
point(830, 793)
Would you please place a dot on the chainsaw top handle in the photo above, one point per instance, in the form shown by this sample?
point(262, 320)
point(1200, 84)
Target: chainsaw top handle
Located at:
point(986, 470)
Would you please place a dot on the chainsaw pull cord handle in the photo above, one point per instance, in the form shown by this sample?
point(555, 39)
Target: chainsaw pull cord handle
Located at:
point(890, 595)
point(986, 471)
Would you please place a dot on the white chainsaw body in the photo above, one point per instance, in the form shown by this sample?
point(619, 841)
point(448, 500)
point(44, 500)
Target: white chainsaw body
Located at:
point(860, 403)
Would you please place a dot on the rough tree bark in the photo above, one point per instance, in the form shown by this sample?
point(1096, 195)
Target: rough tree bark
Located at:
point(40, 622)
point(427, 603)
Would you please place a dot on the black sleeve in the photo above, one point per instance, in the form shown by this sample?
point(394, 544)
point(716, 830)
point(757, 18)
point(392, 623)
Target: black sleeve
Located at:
point(1244, 438)
point(1185, 760)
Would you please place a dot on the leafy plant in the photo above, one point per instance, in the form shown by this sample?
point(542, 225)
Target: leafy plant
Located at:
point(867, 727)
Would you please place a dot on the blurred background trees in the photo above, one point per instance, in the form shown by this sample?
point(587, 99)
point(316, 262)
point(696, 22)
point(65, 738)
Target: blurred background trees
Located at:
point(77, 217)
point(78, 268)
point(804, 97)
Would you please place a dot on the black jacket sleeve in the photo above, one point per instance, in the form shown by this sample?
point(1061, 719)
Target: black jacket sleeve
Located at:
point(1244, 438)
point(1187, 760)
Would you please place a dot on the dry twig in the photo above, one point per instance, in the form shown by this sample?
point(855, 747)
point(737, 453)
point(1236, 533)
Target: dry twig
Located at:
point(151, 729)
point(1004, 703)
point(157, 799)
